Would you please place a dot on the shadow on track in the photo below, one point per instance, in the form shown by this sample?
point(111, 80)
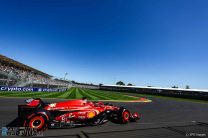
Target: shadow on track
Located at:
point(15, 123)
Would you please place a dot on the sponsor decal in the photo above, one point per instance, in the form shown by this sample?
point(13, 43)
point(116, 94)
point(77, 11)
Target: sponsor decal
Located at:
point(63, 118)
point(81, 113)
point(52, 105)
point(81, 117)
point(70, 115)
point(26, 89)
point(5, 88)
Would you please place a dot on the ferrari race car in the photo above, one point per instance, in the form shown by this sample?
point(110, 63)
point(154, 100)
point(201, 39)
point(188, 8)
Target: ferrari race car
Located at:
point(41, 115)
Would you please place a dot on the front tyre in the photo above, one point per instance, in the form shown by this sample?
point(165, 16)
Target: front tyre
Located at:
point(124, 116)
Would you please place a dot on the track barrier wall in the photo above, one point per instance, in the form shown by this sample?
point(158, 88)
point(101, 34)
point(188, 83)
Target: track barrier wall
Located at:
point(29, 89)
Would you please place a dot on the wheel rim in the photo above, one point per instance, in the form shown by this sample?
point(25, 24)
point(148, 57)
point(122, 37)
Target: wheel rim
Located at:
point(37, 122)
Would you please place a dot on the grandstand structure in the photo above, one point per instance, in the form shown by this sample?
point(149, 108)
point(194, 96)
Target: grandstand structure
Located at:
point(171, 92)
point(14, 73)
point(86, 86)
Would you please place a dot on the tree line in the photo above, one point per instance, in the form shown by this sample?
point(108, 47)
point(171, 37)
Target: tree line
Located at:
point(121, 83)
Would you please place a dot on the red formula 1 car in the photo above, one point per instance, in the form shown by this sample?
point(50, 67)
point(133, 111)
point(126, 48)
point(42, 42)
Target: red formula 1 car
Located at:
point(40, 115)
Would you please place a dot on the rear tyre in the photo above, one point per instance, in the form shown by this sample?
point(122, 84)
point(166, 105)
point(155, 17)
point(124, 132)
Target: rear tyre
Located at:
point(38, 122)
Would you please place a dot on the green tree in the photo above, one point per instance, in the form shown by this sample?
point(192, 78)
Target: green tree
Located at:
point(73, 81)
point(120, 83)
point(129, 84)
point(187, 87)
point(175, 86)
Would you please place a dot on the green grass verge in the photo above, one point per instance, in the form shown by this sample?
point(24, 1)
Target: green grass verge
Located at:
point(149, 96)
point(73, 93)
point(77, 93)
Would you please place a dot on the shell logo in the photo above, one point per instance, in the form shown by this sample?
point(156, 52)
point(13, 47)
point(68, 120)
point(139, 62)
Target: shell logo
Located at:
point(90, 114)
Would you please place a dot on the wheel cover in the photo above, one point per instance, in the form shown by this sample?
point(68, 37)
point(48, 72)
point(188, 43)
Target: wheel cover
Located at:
point(37, 122)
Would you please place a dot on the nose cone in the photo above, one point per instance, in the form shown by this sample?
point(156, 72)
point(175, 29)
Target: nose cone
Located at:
point(136, 116)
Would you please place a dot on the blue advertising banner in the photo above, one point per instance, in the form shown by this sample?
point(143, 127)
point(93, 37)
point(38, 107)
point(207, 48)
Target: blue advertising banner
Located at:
point(26, 89)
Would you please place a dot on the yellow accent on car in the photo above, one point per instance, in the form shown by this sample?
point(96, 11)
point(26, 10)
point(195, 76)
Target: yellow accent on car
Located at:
point(90, 114)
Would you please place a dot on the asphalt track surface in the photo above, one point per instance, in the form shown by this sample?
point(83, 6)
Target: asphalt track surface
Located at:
point(162, 118)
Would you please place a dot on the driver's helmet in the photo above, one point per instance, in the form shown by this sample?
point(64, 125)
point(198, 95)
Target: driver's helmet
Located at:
point(84, 99)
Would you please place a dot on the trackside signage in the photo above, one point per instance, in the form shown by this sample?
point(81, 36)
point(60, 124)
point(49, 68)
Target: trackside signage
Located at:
point(26, 89)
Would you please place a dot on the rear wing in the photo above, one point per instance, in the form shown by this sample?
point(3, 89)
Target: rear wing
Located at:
point(25, 110)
